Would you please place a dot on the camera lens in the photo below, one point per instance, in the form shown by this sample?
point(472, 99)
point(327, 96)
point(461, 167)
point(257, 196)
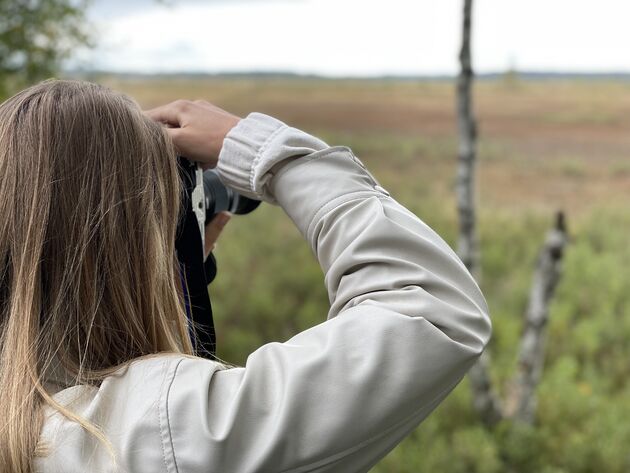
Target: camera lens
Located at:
point(220, 197)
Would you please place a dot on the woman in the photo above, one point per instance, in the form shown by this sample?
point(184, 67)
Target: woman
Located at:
point(97, 372)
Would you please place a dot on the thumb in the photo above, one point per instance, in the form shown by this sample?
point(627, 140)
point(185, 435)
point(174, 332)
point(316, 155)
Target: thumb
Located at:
point(214, 228)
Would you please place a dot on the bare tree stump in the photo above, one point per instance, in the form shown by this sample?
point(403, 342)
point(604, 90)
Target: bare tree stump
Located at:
point(521, 402)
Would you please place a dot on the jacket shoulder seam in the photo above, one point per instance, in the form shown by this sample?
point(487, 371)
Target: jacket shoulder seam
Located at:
point(164, 421)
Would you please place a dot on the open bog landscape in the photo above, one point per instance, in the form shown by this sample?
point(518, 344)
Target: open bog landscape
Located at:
point(544, 146)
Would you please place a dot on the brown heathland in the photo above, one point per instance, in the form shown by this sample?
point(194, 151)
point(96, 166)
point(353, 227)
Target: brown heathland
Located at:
point(543, 144)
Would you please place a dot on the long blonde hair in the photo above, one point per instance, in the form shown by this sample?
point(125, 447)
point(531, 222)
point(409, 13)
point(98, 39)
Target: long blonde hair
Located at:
point(89, 200)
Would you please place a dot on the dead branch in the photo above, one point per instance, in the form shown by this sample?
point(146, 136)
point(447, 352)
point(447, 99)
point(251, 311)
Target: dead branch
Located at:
point(521, 402)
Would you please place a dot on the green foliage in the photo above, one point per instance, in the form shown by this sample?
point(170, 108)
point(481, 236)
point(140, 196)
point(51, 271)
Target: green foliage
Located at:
point(35, 35)
point(270, 287)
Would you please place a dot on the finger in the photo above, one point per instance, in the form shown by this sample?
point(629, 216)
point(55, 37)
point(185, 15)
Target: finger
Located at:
point(175, 135)
point(163, 115)
point(214, 228)
point(170, 114)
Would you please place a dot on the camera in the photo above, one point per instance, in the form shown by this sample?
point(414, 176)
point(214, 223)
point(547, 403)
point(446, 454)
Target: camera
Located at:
point(207, 196)
point(219, 197)
point(204, 196)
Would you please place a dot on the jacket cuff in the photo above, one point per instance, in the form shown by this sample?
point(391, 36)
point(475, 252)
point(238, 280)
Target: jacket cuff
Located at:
point(254, 146)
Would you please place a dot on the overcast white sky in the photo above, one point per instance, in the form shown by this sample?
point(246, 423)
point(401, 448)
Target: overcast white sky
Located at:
point(358, 37)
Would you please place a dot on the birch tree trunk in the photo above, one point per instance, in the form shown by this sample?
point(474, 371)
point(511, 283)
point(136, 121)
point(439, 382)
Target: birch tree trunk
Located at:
point(521, 403)
point(484, 399)
point(467, 127)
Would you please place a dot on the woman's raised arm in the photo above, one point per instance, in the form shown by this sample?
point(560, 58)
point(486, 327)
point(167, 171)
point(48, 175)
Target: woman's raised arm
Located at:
point(406, 322)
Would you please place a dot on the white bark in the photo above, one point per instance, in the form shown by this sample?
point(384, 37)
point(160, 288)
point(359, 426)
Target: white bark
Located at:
point(467, 245)
point(484, 399)
point(521, 403)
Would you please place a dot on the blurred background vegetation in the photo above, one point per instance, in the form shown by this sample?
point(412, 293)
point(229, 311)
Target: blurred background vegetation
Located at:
point(544, 145)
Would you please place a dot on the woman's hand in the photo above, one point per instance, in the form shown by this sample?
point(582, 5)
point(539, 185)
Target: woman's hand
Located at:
point(197, 128)
point(213, 230)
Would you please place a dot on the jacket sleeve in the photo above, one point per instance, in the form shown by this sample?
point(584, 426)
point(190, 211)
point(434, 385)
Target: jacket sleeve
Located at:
point(406, 322)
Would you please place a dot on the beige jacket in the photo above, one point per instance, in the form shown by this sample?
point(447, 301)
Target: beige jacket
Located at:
point(406, 322)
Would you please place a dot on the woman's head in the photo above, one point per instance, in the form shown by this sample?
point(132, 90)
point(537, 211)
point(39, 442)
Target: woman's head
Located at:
point(89, 201)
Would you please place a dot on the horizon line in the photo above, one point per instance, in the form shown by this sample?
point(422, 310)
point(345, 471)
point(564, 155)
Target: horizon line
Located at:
point(525, 74)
